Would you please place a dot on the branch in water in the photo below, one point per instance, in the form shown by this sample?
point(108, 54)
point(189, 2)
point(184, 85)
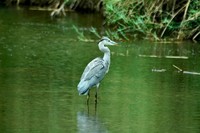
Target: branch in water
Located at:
point(60, 10)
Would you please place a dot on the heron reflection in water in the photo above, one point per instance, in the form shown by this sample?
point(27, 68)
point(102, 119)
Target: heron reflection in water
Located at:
point(90, 123)
point(96, 70)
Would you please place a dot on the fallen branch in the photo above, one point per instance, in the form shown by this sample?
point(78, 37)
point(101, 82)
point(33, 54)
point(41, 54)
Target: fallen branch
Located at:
point(18, 1)
point(58, 11)
point(195, 36)
point(179, 69)
point(185, 72)
point(194, 31)
point(193, 73)
point(167, 56)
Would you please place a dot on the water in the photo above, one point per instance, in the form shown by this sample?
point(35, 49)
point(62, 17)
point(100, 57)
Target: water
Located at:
point(41, 62)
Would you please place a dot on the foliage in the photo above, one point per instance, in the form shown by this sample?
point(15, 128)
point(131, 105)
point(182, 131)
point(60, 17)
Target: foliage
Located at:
point(155, 19)
point(81, 36)
point(149, 19)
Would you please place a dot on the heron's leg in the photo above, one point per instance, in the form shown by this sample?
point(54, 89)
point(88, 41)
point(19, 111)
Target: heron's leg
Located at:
point(96, 92)
point(95, 108)
point(88, 97)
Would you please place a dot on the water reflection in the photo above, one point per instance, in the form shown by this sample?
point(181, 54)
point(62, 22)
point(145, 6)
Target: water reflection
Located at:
point(87, 123)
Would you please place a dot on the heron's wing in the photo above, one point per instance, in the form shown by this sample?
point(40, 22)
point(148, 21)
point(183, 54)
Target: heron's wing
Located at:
point(95, 68)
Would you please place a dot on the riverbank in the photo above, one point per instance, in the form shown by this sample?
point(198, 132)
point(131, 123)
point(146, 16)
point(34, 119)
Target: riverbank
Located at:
point(151, 20)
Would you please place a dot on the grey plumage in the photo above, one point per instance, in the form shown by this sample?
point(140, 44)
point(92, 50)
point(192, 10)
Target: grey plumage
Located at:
point(92, 75)
point(96, 69)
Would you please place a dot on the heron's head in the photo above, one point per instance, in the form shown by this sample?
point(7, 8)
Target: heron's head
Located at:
point(107, 41)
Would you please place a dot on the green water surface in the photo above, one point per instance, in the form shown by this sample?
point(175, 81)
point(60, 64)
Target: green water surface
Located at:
point(41, 62)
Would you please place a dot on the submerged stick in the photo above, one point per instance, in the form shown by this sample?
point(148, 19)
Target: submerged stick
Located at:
point(179, 69)
point(167, 56)
point(185, 72)
point(193, 73)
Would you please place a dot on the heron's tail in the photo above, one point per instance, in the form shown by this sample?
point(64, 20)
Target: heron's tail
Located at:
point(83, 87)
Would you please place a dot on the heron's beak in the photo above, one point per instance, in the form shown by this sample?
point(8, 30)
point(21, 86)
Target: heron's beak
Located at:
point(113, 43)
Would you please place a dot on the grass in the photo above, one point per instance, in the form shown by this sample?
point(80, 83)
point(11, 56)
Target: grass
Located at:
point(154, 19)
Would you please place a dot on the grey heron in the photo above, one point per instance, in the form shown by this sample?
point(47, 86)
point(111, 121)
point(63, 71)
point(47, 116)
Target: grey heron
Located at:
point(96, 70)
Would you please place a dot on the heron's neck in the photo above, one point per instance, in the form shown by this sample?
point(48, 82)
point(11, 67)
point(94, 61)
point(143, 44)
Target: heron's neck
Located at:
point(106, 52)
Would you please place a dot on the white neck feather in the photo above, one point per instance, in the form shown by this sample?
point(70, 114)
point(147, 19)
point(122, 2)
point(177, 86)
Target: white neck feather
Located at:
point(106, 52)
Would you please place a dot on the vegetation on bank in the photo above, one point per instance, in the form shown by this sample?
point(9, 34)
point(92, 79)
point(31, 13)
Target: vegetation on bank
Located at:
point(154, 19)
point(149, 19)
point(78, 5)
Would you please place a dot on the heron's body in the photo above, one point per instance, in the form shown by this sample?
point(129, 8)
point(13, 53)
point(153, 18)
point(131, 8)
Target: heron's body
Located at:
point(92, 75)
point(96, 69)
